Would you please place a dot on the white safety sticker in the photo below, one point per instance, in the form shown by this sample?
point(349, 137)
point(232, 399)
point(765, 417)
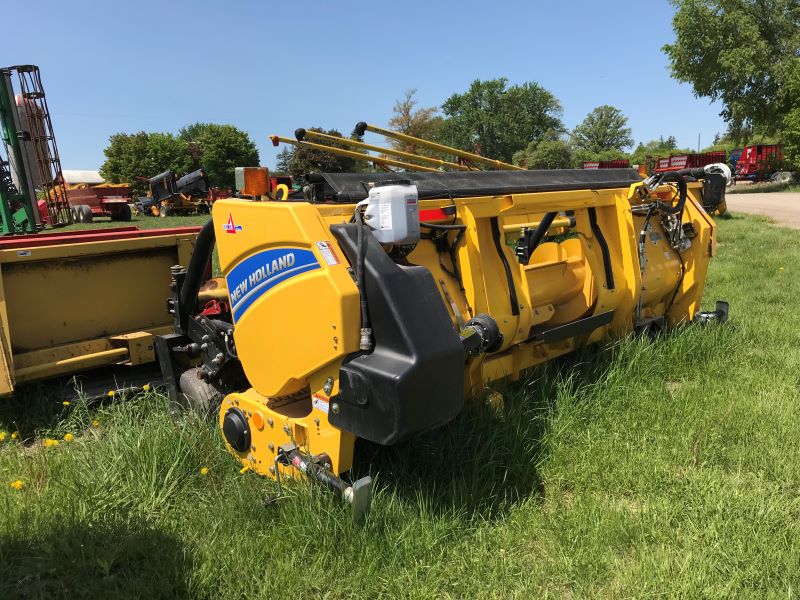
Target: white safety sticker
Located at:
point(328, 253)
point(385, 216)
point(23, 252)
point(319, 402)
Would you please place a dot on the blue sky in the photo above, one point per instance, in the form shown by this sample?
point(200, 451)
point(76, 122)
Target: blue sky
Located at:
point(270, 67)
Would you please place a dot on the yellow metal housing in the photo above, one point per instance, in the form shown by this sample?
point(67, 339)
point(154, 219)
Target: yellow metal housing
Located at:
point(97, 301)
point(293, 339)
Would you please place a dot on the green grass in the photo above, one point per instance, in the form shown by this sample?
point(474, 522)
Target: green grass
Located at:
point(141, 221)
point(667, 468)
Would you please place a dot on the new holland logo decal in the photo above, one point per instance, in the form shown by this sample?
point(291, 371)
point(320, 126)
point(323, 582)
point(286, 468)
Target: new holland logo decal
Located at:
point(259, 273)
point(230, 226)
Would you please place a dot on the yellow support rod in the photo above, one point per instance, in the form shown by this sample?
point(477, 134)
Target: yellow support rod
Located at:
point(559, 222)
point(276, 139)
point(71, 365)
point(302, 133)
point(410, 139)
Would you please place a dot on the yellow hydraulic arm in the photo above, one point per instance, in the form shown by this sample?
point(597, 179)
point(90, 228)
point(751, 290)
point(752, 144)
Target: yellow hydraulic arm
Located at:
point(300, 134)
point(469, 157)
point(377, 160)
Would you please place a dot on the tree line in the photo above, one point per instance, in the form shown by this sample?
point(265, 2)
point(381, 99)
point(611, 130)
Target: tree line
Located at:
point(520, 124)
point(513, 123)
point(216, 148)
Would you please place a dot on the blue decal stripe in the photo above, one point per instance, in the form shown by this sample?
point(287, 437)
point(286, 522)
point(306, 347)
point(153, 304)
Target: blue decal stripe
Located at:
point(267, 285)
point(257, 274)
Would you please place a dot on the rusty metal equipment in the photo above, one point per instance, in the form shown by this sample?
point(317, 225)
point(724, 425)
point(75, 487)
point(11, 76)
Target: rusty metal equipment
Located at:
point(32, 166)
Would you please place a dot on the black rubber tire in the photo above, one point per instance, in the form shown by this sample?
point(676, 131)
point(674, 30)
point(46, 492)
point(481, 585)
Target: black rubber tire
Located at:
point(74, 212)
point(164, 211)
point(123, 213)
point(197, 395)
point(86, 213)
point(782, 177)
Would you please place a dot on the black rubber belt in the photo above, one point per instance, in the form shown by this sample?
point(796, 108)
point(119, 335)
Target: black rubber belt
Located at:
point(512, 290)
point(603, 248)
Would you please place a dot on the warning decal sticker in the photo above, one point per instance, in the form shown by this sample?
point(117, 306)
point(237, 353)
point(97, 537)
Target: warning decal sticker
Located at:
point(328, 253)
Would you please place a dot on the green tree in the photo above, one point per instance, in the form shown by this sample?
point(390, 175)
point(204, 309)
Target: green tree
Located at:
point(741, 53)
point(422, 123)
point(220, 149)
point(552, 153)
point(603, 129)
point(496, 121)
point(142, 154)
point(655, 148)
point(283, 160)
point(744, 54)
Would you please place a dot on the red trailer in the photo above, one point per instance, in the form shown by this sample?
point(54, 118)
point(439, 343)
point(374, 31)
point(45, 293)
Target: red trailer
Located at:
point(104, 200)
point(622, 163)
point(757, 163)
point(687, 161)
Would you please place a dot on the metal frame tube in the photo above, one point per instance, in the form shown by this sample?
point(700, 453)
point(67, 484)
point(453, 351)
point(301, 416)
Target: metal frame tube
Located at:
point(301, 133)
point(475, 158)
point(276, 139)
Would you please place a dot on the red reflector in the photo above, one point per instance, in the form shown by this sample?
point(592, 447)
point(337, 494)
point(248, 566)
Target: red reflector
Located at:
point(433, 214)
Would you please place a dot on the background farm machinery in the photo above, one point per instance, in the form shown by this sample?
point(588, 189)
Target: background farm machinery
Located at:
point(751, 163)
point(172, 195)
point(32, 194)
point(761, 162)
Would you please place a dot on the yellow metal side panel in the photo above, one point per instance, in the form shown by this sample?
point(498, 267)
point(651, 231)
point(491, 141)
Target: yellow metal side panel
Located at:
point(300, 324)
point(690, 291)
point(6, 357)
point(54, 302)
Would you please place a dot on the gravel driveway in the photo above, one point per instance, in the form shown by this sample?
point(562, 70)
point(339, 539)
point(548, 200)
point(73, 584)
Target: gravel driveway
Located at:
point(782, 207)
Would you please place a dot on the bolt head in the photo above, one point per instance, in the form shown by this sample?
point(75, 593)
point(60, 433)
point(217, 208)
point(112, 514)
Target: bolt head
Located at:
point(335, 408)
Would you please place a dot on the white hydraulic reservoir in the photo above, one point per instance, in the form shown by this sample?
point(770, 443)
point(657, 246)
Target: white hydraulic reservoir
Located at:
point(392, 213)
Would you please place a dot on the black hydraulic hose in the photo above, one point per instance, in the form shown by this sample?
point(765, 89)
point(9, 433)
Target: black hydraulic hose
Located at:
point(682, 192)
point(366, 333)
point(498, 245)
point(539, 232)
point(598, 234)
point(198, 263)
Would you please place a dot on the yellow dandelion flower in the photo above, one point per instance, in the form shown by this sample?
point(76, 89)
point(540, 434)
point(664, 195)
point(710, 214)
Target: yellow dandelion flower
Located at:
point(204, 471)
point(780, 269)
point(111, 393)
point(15, 435)
point(66, 403)
point(49, 442)
point(17, 484)
point(95, 423)
point(68, 437)
point(245, 469)
point(3, 436)
point(146, 387)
